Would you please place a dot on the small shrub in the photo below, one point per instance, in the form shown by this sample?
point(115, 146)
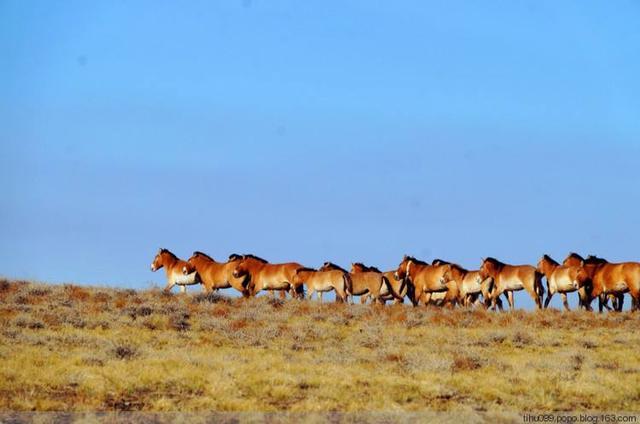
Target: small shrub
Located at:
point(124, 351)
point(465, 363)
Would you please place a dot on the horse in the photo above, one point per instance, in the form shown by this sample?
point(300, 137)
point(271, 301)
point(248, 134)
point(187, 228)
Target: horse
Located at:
point(173, 267)
point(422, 278)
point(398, 288)
point(561, 278)
point(216, 275)
point(590, 264)
point(369, 283)
point(323, 281)
point(510, 278)
point(266, 276)
point(617, 279)
point(470, 285)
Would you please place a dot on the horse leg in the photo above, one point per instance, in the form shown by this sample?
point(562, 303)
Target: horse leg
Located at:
point(340, 293)
point(564, 301)
point(550, 294)
point(183, 289)
point(320, 296)
point(364, 298)
point(620, 302)
point(169, 286)
point(512, 303)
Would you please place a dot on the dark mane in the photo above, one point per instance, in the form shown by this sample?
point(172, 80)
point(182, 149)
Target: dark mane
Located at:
point(331, 265)
point(305, 269)
point(163, 250)
point(366, 268)
point(199, 253)
point(494, 260)
point(439, 262)
point(235, 257)
point(574, 255)
point(414, 260)
point(459, 268)
point(592, 259)
point(257, 258)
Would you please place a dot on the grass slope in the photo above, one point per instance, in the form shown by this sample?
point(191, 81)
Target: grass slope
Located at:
point(95, 349)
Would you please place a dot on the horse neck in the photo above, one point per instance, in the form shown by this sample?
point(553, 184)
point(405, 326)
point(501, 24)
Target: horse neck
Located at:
point(548, 267)
point(169, 262)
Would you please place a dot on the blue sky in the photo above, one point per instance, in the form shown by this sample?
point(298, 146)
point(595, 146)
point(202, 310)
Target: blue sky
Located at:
point(315, 131)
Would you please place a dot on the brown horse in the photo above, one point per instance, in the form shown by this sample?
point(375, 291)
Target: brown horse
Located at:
point(617, 279)
point(173, 267)
point(217, 275)
point(369, 283)
point(322, 281)
point(590, 265)
point(562, 279)
point(266, 276)
point(469, 285)
point(422, 278)
point(510, 278)
point(398, 287)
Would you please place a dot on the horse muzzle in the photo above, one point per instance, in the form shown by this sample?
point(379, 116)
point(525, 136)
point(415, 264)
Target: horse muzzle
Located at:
point(185, 271)
point(153, 268)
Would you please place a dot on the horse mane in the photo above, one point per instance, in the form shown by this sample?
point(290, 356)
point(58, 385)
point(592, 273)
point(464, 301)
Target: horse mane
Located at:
point(439, 262)
point(592, 259)
point(163, 250)
point(334, 266)
point(458, 268)
point(305, 269)
point(257, 258)
point(413, 259)
point(236, 256)
point(367, 268)
point(550, 259)
point(574, 255)
point(199, 253)
point(494, 261)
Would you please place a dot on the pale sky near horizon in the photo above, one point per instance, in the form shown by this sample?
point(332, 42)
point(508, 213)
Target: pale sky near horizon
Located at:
point(343, 131)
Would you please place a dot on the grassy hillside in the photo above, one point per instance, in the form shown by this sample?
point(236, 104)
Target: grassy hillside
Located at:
point(85, 349)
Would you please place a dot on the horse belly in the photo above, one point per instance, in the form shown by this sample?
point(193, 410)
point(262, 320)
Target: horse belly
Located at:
point(565, 285)
point(275, 282)
point(471, 286)
point(512, 284)
point(620, 286)
point(323, 286)
point(185, 280)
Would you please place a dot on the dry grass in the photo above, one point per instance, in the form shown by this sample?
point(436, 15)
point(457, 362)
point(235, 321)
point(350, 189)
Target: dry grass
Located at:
point(92, 349)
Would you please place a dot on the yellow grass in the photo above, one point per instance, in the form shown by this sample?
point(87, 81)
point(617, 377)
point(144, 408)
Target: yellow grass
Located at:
point(69, 348)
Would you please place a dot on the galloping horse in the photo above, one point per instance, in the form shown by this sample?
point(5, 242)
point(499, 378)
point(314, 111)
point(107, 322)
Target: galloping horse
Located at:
point(173, 268)
point(510, 278)
point(216, 275)
point(266, 276)
point(323, 281)
point(398, 287)
point(369, 283)
point(562, 279)
point(423, 278)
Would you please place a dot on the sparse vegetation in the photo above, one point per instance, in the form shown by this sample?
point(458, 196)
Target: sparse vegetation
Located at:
point(74, 348)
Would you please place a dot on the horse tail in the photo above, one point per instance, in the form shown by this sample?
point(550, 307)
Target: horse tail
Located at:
point(386, 282)
point(539, 288)
point(348, 284)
